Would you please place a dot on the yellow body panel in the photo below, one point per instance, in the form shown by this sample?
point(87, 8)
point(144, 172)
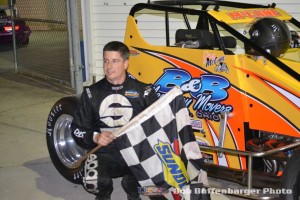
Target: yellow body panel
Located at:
point(255, 91)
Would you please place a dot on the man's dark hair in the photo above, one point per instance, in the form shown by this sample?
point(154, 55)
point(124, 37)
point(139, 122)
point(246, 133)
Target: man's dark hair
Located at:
point(117, 46)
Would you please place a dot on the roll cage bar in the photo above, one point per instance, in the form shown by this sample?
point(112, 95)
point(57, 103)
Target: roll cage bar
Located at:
point(205, 19)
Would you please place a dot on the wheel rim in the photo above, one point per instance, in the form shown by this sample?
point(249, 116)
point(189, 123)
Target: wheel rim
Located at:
point(66, 149)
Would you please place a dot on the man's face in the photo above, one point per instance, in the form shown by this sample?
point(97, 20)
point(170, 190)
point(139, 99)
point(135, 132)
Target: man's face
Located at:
point(114, 67)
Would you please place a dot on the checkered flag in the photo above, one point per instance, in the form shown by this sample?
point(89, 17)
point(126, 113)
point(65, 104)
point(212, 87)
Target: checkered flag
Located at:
point(147, 144)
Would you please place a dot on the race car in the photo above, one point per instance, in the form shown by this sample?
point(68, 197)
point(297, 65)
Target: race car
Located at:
point(22, 30)
point(241, 84)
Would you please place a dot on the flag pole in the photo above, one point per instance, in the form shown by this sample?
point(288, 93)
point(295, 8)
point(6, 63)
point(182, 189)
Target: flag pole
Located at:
point(175, 91)
point(77, 163)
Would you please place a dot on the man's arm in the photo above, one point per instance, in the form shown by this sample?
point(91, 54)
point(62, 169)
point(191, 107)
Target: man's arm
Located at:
point(82, 126)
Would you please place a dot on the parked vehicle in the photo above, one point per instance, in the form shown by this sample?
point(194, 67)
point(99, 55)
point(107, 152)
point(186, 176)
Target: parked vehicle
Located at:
point(22, 30)
point(241, 83)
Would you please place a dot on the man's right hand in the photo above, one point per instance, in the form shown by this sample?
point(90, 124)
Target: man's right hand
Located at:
point(104, 138)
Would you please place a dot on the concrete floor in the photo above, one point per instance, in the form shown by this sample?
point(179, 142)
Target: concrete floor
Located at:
point(26, 171)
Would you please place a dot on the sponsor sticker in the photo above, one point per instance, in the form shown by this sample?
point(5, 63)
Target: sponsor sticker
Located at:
point(131, 94)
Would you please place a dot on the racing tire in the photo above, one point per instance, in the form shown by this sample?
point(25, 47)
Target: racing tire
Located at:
point(61, 146)
point(290, 180)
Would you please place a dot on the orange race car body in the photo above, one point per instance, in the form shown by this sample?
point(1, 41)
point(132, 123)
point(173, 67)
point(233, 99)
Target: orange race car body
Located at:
point(239, 103)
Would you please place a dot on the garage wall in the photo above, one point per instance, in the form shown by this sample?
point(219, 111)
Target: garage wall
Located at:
point(108, 22)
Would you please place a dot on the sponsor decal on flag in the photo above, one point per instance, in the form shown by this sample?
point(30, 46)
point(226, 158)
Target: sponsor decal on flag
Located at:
point(159, 145)
point(174, 170)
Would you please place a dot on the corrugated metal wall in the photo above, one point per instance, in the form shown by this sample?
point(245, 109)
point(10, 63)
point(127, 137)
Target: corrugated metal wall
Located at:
point(108, 22)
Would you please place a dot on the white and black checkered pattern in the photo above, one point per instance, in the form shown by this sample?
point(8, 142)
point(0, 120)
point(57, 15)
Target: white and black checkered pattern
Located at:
point(163, 121)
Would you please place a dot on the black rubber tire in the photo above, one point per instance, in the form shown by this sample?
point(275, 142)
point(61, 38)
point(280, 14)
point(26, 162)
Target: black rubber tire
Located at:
point(25, 41)
point(290, 179)
point(62, 148)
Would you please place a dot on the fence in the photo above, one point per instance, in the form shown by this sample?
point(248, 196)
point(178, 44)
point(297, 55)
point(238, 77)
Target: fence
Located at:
point(47, 53)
